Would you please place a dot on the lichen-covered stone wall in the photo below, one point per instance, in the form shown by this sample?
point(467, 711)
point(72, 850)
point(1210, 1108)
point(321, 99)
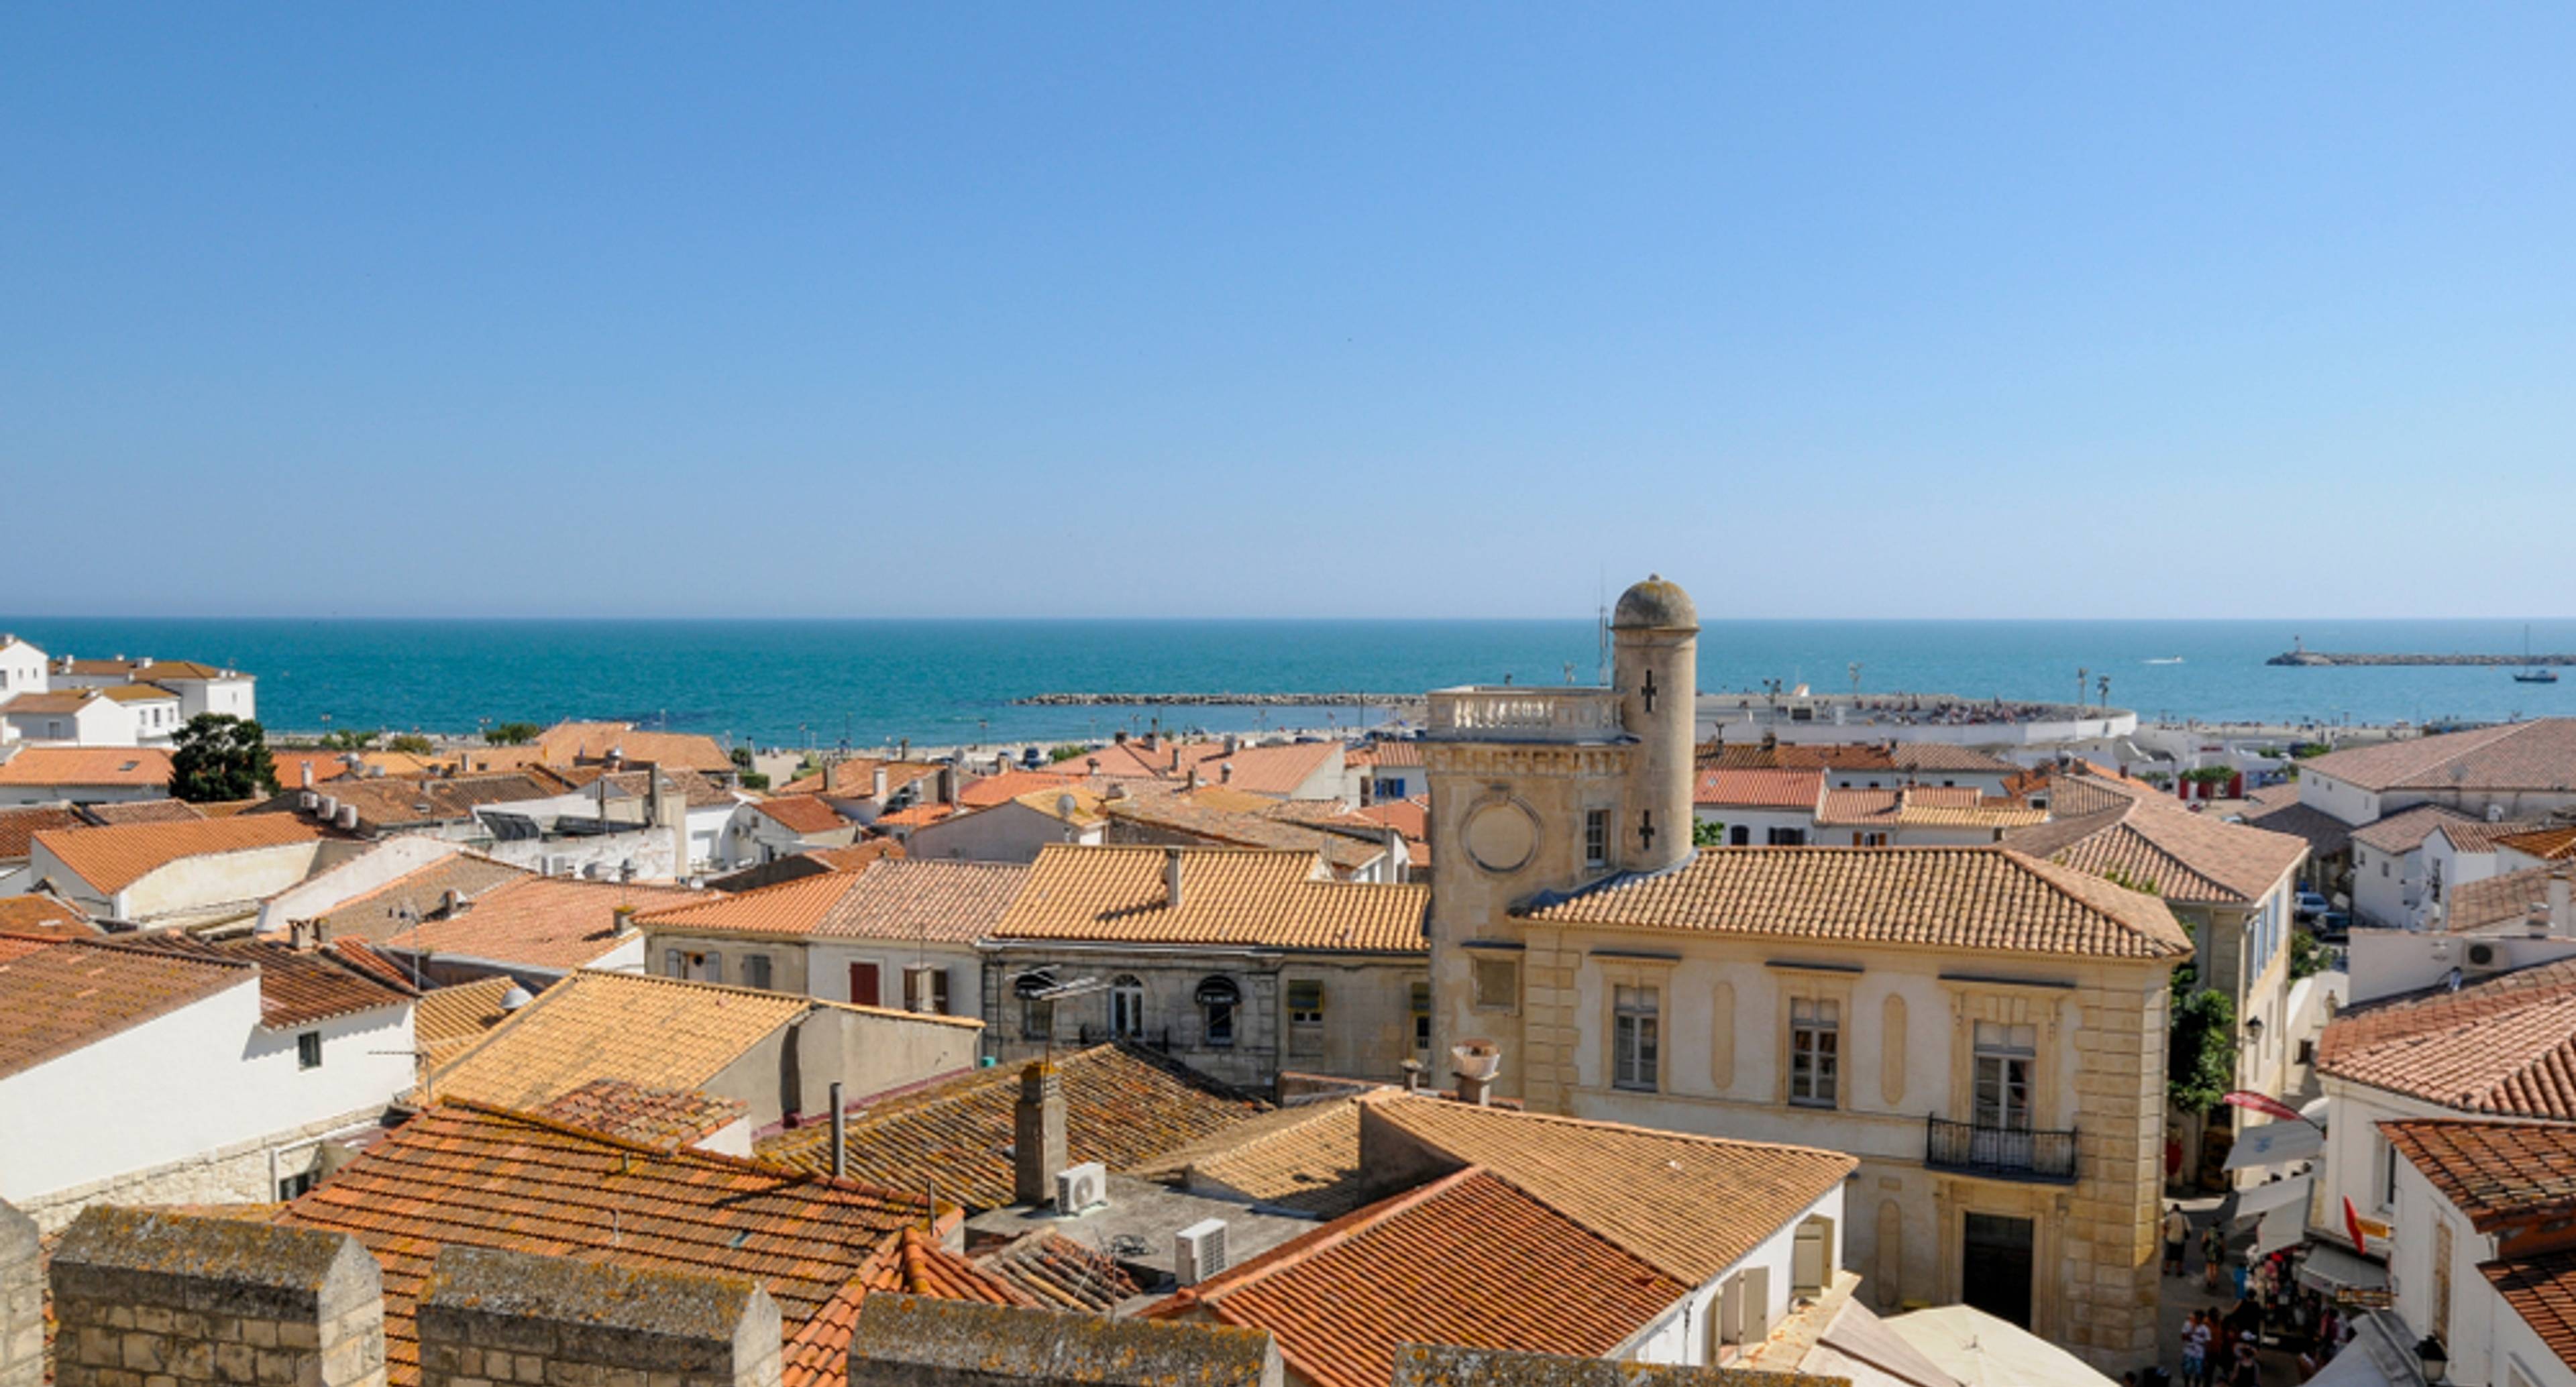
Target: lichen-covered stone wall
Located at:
point(162, 1300)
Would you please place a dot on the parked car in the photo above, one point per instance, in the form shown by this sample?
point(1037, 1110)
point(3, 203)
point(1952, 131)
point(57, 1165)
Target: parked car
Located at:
point(2332, 927)
point(2312, 905)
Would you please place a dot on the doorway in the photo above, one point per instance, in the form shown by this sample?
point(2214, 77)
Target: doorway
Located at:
point(863, 984)
point(1995, 1266)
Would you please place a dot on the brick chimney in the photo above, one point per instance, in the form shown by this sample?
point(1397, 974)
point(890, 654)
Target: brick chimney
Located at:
point(1037, 1134)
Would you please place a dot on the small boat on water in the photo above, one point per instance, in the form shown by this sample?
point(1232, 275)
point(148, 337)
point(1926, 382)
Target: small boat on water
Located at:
point(2531, 673)
point(2167, 660)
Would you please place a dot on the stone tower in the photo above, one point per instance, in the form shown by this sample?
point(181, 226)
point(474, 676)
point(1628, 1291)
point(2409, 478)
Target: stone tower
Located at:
point(1654, 637)
point(1537, 790)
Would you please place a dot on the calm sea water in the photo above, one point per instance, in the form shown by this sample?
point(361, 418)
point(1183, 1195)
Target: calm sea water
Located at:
point(867, 682)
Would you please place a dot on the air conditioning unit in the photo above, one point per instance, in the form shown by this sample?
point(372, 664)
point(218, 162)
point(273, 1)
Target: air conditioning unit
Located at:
point(1198, 1251)
point(1080, 1187)
point(2484, 956)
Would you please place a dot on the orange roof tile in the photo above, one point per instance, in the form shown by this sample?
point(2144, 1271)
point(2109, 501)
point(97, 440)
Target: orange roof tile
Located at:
point(112, 858)
point(566, 743)
point(2505, 900)
point(787, 908)
point(990, 790)
point(538, 922)
point(447, 1019)
point(801, 813)
point(405, 901)
point(1956, 897)
point(2500, 1174)
point(1055, 1271)
point(663, 1118)
point(2549, 845)
point(1759, 788)
point(936, 901)
point(1276, 769)
point(1228, 896)
point(2148, 837)
point(2536, 755)
point(143, 811)
point(1923, 806)
point(44, 916)
point(653, 1032)
point(1305, 1158)
point(1122, 1107)
point(57, 996)
point(2504, 1044)
point(1511, 1273)
point(2541, 1289)
point(916, 815)
point(483, 1177)
point(85, 766)
point(297, 987)
point(18, 827)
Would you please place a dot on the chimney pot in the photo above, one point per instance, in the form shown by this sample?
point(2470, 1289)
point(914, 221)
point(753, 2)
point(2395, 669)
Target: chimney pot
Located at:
point(1478, 1062)
point(1172, 877)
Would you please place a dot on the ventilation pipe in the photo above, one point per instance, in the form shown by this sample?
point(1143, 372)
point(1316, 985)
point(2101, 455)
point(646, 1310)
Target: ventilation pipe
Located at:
point(840, 1136)
point(1172, 877)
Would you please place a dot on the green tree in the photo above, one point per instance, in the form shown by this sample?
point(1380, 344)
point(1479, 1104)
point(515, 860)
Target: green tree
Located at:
point(511, 733)
point(411, 742)
point(348, 739)
point(754, 780)
point(221, 757)
point(2307, 957)
point(1067, 753)
point(1705, 834)
point(2200, 1063)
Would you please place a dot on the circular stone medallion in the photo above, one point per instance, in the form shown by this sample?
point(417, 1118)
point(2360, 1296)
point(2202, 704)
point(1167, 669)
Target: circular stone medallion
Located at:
point(1502, 836)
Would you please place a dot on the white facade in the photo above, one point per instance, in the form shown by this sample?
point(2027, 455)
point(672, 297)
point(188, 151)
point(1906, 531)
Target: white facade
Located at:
point(199, 1079)
point(829, 972)
point(328, 890)
point(201, 885)
point(2488, 1341)
point(89, 722)
point(1763, 826)
point(1742, 1304)
point(22, 668)
point(1008, 832)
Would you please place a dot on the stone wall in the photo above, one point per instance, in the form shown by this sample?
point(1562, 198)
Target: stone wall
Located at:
point(245, 1172)
point(162, 1300)
point(488, 1318)
point(22, 1302)
point(908, 1341)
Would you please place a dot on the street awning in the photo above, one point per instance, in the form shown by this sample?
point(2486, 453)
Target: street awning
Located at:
point(2376, 1357)
point(2336, 1272)
point(2273, 1143)
point(2279, 1194)
point(2279, 1229)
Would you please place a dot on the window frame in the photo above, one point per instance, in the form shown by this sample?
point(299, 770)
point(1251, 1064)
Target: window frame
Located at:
point(308, 1050)
point(1596, 837)
point(2006, 1056)
point(1636, 1035)
point(1127, 1007)
point(1477, 978)
point(1823, 1065)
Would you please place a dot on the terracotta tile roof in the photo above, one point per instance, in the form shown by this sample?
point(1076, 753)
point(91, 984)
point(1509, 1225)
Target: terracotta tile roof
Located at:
point(855, 777)
point(51, 701)
point(1305, 1158)
point(400, 801)
point(990, 790)
point(2502, 901)
point(1410, 818)
point(161, 669)
point(359, 954)
point(1277, 769)
point(2504, 1045)
point(1122, 1107)
point(1753, 756)
point(2541, 1289)
point(1054, 1271)
point(447, 1019)
point(919, 1264)
point(1759, 789)
point(694, 789)
point(327, 766)
point(941, 902)
point(1389, 751)
point(2485, 835)
point(57, 996)
point(1228, 896)
point(2325, 834)
point(83, 766)
point(2406, 830)
point(142, 811)
point(481, 1177)
point(2500, 1174)
point(417, 895)
point(788, 908)
point(929, 812)
point(44, 916)
point(1934, 758)
point(1510, 1273)
point(139, 693)
point(2148, 838)
point(538, 922)
point(297, 987)
point(1691, 1206)
point(654, 1032)
point(113, 858)
point(1207, 817)
point(566, 743)
point(2536, 755)
point(2548, 844)
point(1964, 897)
point(18, 827)
point(665, 1119)
point(1089, 807)
point(1923, 806)
point(857, 855)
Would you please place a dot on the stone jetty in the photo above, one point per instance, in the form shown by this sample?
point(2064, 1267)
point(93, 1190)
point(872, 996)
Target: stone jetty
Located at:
point(1219, 700)
point(2322, 657)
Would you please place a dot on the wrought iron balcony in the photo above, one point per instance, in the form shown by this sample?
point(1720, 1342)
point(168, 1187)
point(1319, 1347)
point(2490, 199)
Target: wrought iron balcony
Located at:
point(2003, 1153)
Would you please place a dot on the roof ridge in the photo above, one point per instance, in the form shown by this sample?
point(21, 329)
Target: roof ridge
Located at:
point(1392, 1095)
point(1334, 1233)
point(2046, 871)
point(750, 1165)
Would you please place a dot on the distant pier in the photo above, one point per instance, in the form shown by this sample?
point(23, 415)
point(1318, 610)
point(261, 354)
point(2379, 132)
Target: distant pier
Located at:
point(2322, 657)
point(1218, 700)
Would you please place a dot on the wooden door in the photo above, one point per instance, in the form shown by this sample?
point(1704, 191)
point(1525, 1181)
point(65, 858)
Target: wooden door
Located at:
point(863, 984)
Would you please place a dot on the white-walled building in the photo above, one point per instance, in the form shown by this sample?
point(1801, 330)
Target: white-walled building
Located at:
point(22, 667)
point(1016, 829)
point(72, 717)
point(82, 775)
point(146, 1074)
point(189, 871)
point(2481, 1257)
point(201, 688)
point(1759, 807)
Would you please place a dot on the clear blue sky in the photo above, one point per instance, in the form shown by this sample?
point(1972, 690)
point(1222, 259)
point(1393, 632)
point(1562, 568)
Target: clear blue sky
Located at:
point(1893, 310)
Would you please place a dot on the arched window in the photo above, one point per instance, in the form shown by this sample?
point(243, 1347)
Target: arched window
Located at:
point(1127, 1007)
point(1218, 998)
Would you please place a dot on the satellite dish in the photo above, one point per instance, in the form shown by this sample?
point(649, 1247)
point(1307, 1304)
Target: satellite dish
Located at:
point(1065, 805)
point(515, 998)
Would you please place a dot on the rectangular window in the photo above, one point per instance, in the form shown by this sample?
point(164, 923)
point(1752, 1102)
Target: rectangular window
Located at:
point(1305, 1002)
point(1596, 837)
point(2004, 1056)
point(1387, 789)
point(294, 1186)
point(1633, 1039)
point(755, 971)
point(1815, 1051)
point(2388, 1159)
point(1422, 1017)
point(1787, 837)
point(671, 965)
point(1739, 836)
point(1498, 984)
point(308, 1050)
point(925, 989)
point(1037, 1016)
point(1868, 840)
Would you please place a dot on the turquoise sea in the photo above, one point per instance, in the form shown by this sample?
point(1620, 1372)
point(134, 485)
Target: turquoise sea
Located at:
point(937, 682)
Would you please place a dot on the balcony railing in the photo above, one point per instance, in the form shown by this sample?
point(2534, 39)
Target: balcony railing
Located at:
point(1509, 714)
point(2005, 1153)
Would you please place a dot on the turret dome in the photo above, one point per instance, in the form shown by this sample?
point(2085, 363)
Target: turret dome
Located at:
point(1655, 605)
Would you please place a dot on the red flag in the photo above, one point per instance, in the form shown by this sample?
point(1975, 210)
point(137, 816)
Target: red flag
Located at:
point(2352, 1225)
point(2269, 1107)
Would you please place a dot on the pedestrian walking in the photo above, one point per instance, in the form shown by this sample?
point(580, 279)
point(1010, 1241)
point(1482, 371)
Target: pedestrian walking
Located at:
point(2213, 1255)
point(2196, 1335)
point(2177, 1237)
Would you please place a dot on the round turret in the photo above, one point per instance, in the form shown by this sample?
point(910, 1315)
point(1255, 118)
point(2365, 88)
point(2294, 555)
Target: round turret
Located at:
point(1655, 605)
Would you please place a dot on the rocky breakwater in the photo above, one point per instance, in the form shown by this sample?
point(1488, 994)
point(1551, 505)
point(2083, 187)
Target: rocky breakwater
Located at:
point(1219, 700)
point(2321, 657)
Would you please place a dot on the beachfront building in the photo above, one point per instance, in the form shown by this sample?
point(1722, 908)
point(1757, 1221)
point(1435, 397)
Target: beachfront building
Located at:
point(22, 667)
point(1758, 807)
point(197, 872)
point(82, 775)
point(1985, 1031)
point(199, 687)
point(1240, 963)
